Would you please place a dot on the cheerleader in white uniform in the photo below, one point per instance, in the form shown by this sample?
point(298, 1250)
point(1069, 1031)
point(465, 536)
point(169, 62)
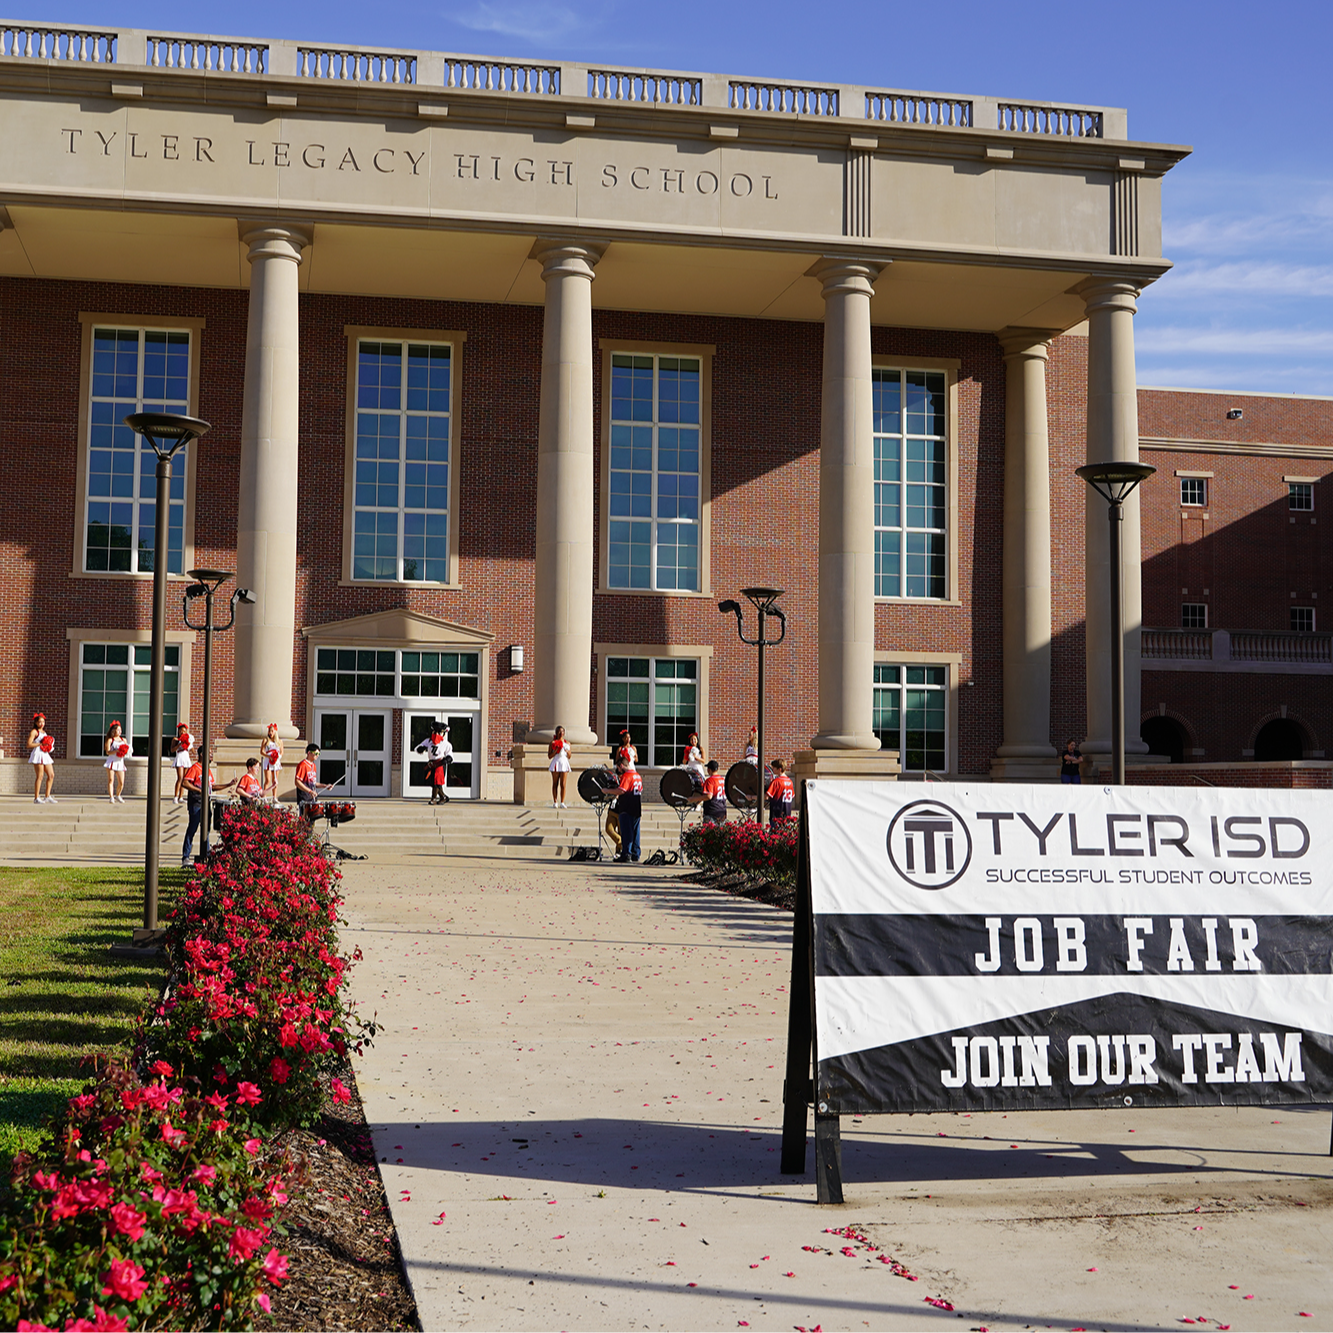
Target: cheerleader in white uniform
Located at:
point(692, 761)
point(180, 760)
point(272, 756)
point(117, 747)
point(40, 746)
point(558, 752)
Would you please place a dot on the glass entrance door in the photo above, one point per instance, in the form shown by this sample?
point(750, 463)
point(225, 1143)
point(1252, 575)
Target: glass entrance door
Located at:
point(355, 746)
point(464, 734)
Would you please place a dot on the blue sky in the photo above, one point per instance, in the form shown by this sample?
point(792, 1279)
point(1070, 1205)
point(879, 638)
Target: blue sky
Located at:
point(1248, 218)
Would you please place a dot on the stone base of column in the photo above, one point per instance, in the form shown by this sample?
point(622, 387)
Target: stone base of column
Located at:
point(1026, 769)
point(856, 765)
point(231, 755)
point(532, 773)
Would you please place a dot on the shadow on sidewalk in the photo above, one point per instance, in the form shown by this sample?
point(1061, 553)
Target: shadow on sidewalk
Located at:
point(668, 1156)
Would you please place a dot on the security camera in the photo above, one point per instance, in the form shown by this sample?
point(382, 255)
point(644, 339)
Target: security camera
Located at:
point(1235, 413)
point(245, 595)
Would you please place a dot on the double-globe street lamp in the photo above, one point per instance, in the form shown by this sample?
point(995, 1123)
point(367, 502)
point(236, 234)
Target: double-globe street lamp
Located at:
point(764, 601)
point(167, 433)
point(205, 585)
point(1115, 482)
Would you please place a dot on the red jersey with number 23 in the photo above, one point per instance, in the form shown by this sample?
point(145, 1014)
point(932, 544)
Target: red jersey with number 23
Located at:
point(781, 789)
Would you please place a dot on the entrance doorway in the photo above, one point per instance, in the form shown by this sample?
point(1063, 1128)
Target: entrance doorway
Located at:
point(464, 733)
point(355, 745)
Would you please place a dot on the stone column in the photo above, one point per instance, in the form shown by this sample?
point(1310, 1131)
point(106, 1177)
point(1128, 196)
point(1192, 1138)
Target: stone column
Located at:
point(1113, 436)
point(566, 518)
point(846, 510)
point(264, 636)
point(1026, 754)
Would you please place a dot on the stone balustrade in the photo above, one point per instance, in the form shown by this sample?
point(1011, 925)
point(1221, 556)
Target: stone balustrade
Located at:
point(1237, 650)
point(198, 53)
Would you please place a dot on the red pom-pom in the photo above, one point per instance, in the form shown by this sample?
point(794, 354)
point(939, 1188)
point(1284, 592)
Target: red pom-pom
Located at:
point(123, 749)
point(48, 744)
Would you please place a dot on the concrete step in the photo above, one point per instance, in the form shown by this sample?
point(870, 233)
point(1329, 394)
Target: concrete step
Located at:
point(92, 831)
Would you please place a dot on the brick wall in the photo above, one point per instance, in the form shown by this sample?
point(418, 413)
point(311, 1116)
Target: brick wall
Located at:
point(765, 417)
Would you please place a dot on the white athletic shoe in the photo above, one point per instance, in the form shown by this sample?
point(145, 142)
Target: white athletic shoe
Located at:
point(51, 800)
point(37, 800)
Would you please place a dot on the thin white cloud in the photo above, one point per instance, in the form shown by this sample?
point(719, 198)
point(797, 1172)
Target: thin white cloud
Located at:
point(1256, 278)
point(1236, 341)
point(533, 22)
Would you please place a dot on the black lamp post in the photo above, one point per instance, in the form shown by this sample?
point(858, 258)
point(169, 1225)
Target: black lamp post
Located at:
point(1114, 482)
point(207, 582)
point(764, 601)
point(167, 433)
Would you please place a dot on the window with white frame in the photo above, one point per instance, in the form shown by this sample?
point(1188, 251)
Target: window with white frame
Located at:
point(1193, 492)
point(653, 505)
point(115, 685)
point(400, 513)
point(657, 700)
point(133, 370)
point(1302, 619)
point(911, 484)
point(396, 674)
point(1194, 615)
point(1300, 495)
point(910, 711)
point(440, 675)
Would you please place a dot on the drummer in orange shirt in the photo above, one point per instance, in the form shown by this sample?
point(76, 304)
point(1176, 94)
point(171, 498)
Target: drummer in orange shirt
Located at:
point(307, 785)
point(781, 792)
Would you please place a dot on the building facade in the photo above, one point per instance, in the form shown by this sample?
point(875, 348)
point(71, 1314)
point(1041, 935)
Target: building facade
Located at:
point(514, 370)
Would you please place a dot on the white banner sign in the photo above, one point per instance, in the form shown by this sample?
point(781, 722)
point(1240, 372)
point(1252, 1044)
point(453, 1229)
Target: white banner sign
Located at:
point(1023, 946)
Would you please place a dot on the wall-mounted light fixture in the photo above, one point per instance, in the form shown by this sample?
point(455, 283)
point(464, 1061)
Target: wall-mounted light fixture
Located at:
point(516, 659)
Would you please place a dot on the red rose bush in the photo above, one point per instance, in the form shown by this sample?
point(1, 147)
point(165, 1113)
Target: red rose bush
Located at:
point(154, 1201)
point(761, 855)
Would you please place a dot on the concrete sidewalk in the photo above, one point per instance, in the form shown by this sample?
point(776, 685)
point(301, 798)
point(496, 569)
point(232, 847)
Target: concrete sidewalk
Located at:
point(576, 1099)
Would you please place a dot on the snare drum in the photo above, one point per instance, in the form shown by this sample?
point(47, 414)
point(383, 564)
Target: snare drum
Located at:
point(312, 810)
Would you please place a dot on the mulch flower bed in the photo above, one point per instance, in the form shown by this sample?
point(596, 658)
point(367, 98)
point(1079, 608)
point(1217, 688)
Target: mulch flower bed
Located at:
point(345, 1269)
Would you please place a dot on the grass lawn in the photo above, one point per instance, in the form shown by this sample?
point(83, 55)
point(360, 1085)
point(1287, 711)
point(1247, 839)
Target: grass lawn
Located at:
point(62, 996)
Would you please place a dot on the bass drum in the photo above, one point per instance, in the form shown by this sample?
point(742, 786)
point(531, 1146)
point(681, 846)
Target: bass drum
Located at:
point(597, 785)
point(742, 784)
point(677, 787)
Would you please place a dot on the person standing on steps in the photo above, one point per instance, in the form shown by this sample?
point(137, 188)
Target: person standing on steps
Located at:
point(625, 750)
point(712, 796)
point(558, 752)
point(116, 748)
point(692, 760)
point(1071, 763)
point(180, 759)
point(272, 749)
point(194, 805)
point(751, 755)
point(439, 755)
point(629, 810)
point(40, 745)
point(781, 792)
point(308, 787)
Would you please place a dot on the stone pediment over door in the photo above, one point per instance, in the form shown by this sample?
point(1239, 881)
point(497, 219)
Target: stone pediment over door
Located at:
point(397, 628)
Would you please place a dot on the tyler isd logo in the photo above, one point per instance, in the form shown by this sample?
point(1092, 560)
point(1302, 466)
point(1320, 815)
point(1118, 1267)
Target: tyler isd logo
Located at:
point(929, 845)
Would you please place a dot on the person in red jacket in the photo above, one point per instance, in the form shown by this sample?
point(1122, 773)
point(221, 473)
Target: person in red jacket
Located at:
point(713, 796)
point(781, 793)
point(629, 810)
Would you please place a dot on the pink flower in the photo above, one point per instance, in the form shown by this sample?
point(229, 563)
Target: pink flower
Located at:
point(275, 1266)
point(85, 1102)
point(161, 1068)
point(247, 1094)
point(216, 1100)
point(279, 1069)
point(125, 1280)
point(208, 1174)
point(263, 1302)
point(27, 1326)
point(128, 1220)
point(252, 1146)
point(244, 1243)
point(173, 1138)
point(341, 1093)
